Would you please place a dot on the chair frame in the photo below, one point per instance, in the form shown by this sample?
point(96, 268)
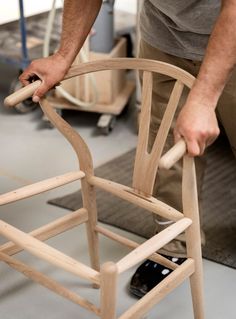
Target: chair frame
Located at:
point(145, 169)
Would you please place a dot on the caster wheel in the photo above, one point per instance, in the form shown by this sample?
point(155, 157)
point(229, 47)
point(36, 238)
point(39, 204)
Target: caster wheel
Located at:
point(47, 123)
point(25, 106)
point(106, 123)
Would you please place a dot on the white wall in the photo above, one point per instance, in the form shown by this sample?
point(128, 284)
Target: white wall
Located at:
point(9, 10)
point(126, 5)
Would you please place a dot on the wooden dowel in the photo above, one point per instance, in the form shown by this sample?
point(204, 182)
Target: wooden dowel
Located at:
point(40, 187)
point(50, 254)
point(48, 282)
point(22, 94)
point(132, 244)
point(149, 203)
point(153, 244)
point(50, 230)
point(108, 290)
point(168, 284)
point(173, 155)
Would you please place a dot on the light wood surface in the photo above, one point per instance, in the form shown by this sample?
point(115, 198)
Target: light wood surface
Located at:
point(132, 244)
point(81, 87)
point(48, 282)
point(50, 230)
point(22, 94)
point(172, 281)
point(114, 107)
point(132, 64)
point(145, 169)
point(146, 164)
point(47, 253)
point(127, 193)
point(40, 187)
point(108, 64)
point(193, 236)
point(108, 290)
point(173, 155)
point(78, 144)
point(153, 244)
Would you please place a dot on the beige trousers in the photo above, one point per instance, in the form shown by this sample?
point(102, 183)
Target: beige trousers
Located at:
point(168, 183)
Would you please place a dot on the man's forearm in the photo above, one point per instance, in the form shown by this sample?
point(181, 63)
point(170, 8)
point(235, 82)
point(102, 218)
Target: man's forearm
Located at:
point(78, 18)
point(220, 58)
point(197, 122)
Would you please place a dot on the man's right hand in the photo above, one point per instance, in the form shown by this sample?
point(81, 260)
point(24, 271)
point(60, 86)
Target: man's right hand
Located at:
point(50, 71)
point(197, 124)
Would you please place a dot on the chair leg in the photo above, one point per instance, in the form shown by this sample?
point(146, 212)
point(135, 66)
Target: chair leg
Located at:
point(108, 290)
point(193, 236)
point(196, 279)
point(89, 202)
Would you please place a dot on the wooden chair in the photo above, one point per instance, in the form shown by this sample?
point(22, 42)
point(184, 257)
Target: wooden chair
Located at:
point(145, 169)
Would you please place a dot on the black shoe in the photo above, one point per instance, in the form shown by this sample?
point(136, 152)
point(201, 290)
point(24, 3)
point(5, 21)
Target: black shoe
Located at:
point(148, 275)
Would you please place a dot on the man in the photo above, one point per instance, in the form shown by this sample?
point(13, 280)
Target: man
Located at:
point(196, 35)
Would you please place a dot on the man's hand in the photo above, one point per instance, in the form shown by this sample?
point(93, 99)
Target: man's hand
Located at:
point(197, 124)
point(50, 70)
point(78, 18)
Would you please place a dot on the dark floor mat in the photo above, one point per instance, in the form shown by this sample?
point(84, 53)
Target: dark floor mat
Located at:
point(218, 202)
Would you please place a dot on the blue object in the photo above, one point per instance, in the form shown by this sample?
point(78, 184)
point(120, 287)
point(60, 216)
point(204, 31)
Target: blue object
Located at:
point(24, 51)
point(24, 60)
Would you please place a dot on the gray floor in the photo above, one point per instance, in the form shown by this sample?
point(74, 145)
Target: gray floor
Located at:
point(29, 152)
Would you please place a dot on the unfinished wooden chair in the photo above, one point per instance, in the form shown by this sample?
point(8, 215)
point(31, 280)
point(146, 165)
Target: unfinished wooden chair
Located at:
point(145, 169)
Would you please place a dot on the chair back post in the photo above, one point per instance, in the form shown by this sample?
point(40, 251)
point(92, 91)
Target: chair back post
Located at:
point(75, 140)
point(86, 165)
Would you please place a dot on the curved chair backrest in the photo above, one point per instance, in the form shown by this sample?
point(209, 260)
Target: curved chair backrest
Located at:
point(146, 163)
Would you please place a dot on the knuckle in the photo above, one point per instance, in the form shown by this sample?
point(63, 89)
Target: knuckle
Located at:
point(191, 134)
point(33, 63)
point(214, 133)
point(203, 134)
point(193, 153)
point(217, 131)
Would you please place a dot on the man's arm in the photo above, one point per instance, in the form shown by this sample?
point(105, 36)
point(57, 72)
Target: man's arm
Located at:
point(197, 121)
point(78, 18)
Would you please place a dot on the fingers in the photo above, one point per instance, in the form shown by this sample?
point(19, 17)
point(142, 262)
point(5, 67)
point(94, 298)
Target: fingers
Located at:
point(197, 143)
point(195, 148)
point(40, 92)
point(38, 69)
point(50, 71)
point(197, 125)
point(26, 77)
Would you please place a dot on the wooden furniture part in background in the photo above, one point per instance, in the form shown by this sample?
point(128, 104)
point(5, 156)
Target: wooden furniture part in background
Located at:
point(112, 87)
point(145, 169)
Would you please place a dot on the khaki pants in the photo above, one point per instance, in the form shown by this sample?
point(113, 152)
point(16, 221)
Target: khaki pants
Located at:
point(168, 183)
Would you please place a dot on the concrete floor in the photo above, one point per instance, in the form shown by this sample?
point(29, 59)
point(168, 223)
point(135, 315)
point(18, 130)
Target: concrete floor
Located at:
point(29, 153)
